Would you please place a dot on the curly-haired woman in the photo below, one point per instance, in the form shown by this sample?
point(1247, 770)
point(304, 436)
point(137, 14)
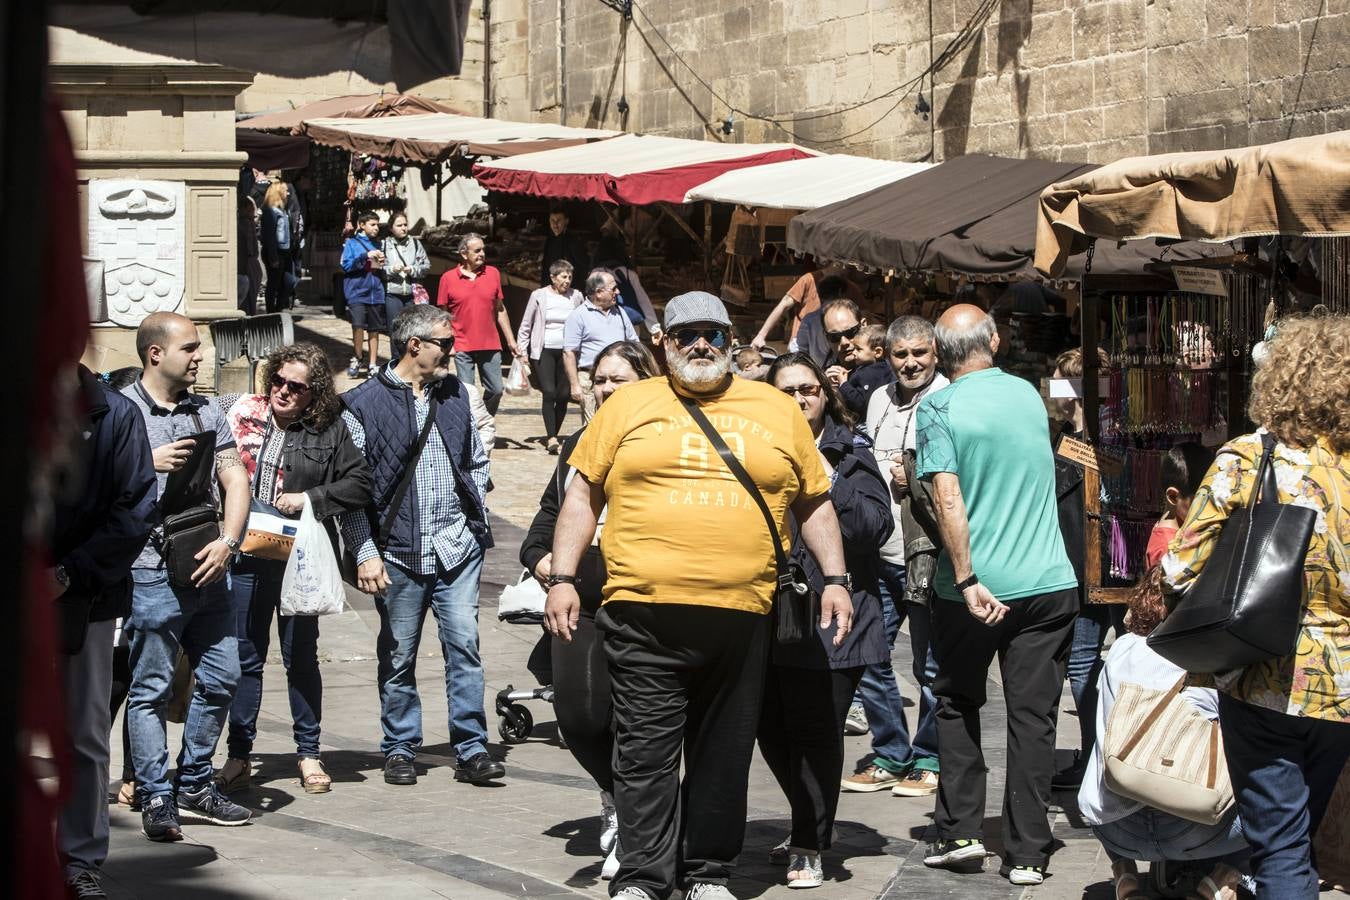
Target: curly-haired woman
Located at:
point(1286, 722)
point(295, 446)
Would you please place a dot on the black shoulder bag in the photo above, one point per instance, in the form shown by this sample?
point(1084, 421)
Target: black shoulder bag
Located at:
point(394, 499)
point(793, 604)
point(195, 524)
point(1246, 606)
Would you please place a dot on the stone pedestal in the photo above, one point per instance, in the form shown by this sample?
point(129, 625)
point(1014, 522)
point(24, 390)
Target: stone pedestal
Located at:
point(158, 177)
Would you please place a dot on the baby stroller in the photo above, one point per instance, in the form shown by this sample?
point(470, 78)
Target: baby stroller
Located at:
point(522, 603)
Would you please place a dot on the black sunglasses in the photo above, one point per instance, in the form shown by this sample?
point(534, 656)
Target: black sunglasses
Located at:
point(446, 343)
point(835, 337)
point(687, 337)
point(294, 387)
point(806, 390)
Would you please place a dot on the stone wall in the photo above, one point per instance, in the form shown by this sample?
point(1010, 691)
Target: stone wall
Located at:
point(1066, 79)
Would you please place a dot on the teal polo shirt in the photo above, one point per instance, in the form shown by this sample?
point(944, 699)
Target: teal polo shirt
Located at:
point(990, 429)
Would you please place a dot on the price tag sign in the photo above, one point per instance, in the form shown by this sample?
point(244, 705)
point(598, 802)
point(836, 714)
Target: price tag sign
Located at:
point(1088, 456)
point(1200, 281)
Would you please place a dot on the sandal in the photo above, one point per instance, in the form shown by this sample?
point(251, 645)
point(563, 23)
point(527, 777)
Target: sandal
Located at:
point(1125, 880)
point(552, 446)
point(126, 794)
point(235, 775)
point(1219, 884)
point(316, 780)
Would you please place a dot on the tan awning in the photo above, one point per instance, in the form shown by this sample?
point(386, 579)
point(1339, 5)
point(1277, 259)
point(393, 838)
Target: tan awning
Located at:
point(438, 136)
point(349, 106)
point(1297, 187)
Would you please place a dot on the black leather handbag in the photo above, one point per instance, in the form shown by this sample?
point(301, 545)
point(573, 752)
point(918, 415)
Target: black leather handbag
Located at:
point(185, 535)
point(1246, 606)
point(794, 604)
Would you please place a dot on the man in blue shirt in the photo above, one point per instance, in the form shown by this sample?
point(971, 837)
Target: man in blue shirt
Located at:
point(1004, 586)
point(421, 546)
point(590, 328)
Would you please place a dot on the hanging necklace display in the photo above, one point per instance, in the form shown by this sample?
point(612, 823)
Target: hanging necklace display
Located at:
point(1333, 271)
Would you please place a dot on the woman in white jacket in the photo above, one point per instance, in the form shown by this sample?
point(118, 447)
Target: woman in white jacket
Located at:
point(541, 336)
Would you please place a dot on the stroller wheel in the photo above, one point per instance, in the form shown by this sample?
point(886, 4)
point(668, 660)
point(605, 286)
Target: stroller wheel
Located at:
point(516, 724)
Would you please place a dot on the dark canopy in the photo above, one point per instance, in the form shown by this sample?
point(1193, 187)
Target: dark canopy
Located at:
point(408, 42)
point(272, 151)
point(973, 215)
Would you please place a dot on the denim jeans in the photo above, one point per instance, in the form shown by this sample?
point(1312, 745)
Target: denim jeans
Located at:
point(201, 621)
point(485, 363)
point(255, 591)
point(879, 692)
point(1085, 665)
point(1151, 835)
point(452, 597)
point(1283, 769)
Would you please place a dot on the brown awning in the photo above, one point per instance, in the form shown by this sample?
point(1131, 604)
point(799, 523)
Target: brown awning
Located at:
point(437, 136)
point(973, 215)
point(349, 106)
point(272, 151)
point(1296, 187)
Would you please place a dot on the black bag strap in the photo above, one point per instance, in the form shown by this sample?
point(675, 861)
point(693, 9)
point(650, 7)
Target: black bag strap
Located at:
point(409, 472)
point(1265, 489)
point(784, 574)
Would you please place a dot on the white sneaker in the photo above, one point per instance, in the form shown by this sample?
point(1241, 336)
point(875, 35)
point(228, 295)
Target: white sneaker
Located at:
point(856, 721)
point(611, 866)
point(609, 822)
point(1026, 875)
point(701, 890)
point(807, 871)
point(353, 367)
point(632, 893)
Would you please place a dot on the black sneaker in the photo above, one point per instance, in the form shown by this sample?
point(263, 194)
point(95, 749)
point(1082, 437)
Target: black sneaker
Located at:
point(85, 886)
point(159, 819)
point(209, 806)
point(955, 854)
point(1069, 779)
point(479, 769)
point(398, 769)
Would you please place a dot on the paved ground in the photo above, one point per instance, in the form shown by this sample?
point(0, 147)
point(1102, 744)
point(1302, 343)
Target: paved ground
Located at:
point(536, 835)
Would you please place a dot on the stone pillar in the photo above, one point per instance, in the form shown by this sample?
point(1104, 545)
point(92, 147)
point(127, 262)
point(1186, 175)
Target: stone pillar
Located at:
point(158, 176)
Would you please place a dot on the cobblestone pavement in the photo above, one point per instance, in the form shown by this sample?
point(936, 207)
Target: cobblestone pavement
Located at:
point(536, 835)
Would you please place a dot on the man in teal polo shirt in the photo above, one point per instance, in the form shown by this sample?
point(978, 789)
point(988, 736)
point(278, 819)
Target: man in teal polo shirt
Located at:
point(1004, 586)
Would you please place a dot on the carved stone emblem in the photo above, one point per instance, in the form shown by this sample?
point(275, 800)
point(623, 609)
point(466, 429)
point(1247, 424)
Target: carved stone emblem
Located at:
point(137, 228)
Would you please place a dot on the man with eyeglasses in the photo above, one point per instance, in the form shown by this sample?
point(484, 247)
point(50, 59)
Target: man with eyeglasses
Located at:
point(590, 328)
point(692, 573)
point(421, 545)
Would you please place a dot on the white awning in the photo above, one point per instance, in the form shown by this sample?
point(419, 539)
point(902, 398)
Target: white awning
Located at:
point(803, 183)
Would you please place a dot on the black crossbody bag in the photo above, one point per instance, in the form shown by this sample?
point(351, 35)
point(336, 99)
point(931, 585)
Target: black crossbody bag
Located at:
point(395, 499)
point(195, 526)
point(793, 601)
point(1246, 606)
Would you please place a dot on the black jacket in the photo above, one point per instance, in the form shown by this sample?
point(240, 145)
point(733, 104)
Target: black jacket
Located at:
point(101, 523)
point(862, 381)
point(862, 501)
point(539, 539)
point(326, 466)
point(1072, 518)
point(569, 247)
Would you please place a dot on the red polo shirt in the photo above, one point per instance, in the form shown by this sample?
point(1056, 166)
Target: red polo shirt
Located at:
point(473, 305)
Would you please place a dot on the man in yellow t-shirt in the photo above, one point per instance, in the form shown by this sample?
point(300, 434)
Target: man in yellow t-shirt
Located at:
point(691, 582)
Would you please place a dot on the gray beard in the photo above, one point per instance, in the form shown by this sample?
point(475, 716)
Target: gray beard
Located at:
point(695, 374)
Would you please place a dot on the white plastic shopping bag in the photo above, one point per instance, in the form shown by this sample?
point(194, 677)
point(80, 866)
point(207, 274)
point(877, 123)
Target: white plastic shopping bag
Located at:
point(312, 585)
point(522, 603)
point(518, 379)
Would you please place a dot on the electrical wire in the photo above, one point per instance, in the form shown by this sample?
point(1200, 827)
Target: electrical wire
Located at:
point(961, 41)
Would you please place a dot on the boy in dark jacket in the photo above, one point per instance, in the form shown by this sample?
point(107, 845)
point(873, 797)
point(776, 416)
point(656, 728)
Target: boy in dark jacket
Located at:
point(870, 371)
point(362, 265)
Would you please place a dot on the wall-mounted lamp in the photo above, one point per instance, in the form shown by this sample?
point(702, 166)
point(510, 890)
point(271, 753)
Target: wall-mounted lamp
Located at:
point(727, 125)
point(921, 108)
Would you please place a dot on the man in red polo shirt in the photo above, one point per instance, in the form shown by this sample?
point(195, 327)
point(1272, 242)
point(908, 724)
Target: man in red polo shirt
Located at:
point(472, 291)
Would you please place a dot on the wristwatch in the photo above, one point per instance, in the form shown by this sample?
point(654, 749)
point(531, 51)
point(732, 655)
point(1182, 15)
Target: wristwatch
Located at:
point(232, 543)
point(845, 581)
point(62, 576)
point(561, 579)
point(968, 583)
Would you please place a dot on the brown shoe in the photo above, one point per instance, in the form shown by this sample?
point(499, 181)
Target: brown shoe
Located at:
point(126, 795)
point(870, 779)
point(916, 783)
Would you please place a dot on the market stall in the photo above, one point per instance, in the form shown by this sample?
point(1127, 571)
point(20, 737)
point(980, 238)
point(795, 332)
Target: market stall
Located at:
point(347, 106)
point(436, 137)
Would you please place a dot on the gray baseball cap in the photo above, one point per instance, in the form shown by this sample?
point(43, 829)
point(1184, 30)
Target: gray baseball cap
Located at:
point(695, 306)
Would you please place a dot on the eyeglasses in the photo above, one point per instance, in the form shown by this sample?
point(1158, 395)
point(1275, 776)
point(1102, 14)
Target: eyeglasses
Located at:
point(446, 343)
point(806, 390)
point(687, 337)
point(294, 387)
point(849, 334)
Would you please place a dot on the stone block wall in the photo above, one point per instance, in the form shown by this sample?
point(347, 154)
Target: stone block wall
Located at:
point(1090, 80)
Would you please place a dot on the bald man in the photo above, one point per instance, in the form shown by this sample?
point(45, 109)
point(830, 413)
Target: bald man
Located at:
point(166, 617)
point(1004, 586)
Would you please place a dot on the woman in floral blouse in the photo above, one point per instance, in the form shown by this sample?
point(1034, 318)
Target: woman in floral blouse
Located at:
point(1286, 722)
point(295, 447)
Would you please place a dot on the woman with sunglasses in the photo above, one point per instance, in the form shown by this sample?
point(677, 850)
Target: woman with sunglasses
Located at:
point(295, 446)
point(811, 684)
point(580, 674)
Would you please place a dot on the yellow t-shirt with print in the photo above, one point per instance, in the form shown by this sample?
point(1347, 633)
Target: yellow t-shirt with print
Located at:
point(680, 528)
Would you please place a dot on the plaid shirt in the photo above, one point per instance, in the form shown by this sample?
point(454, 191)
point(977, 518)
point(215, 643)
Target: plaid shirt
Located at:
point(440, 514)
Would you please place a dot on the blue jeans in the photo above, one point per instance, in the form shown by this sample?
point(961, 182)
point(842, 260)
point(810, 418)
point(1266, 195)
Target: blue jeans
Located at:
point(255, 590)
point(1152, 835)
point(452, 597)
point(879, 692)
point(1085, 665)
point(1283, 769)
point(488, 365)
point(201, 621)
